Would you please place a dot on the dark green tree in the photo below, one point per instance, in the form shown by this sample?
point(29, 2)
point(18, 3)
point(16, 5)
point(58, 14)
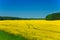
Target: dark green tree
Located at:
point(53, 16)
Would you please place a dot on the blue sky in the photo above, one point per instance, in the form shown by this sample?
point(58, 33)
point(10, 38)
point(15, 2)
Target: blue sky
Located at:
point(28, 8)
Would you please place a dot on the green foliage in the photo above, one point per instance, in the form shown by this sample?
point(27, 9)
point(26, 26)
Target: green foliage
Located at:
point(53, 16)
point(9, 18)
point(7, 36)
point(18, 18)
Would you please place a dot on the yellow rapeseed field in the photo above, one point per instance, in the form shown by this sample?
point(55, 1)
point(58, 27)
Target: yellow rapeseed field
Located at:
point(33, 29)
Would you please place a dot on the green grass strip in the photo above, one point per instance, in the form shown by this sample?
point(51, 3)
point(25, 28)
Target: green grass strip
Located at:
point(7, 36)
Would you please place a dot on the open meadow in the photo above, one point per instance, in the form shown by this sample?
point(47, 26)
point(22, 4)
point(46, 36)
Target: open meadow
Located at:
point(30, 30)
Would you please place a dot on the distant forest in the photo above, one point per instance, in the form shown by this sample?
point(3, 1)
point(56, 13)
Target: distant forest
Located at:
point(18, 18)
point(53, 16)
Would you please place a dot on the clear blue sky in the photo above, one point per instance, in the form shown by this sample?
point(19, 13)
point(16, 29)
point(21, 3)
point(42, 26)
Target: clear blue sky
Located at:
point(28, 8)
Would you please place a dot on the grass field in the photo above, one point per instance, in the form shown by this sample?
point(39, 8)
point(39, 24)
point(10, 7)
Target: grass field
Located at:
point(29, 30)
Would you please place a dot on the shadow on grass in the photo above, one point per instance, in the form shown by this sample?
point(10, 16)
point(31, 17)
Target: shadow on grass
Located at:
point(7, 36)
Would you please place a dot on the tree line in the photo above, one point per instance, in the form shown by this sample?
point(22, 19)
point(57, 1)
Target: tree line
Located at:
point(18, 18)
point(53, 16)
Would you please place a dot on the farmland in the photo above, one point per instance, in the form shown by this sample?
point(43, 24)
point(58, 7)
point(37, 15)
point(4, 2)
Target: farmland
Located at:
point(32, 29)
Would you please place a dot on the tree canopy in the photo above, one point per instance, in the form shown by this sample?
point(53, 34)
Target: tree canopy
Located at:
point(53, 16)
point(18, 18)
